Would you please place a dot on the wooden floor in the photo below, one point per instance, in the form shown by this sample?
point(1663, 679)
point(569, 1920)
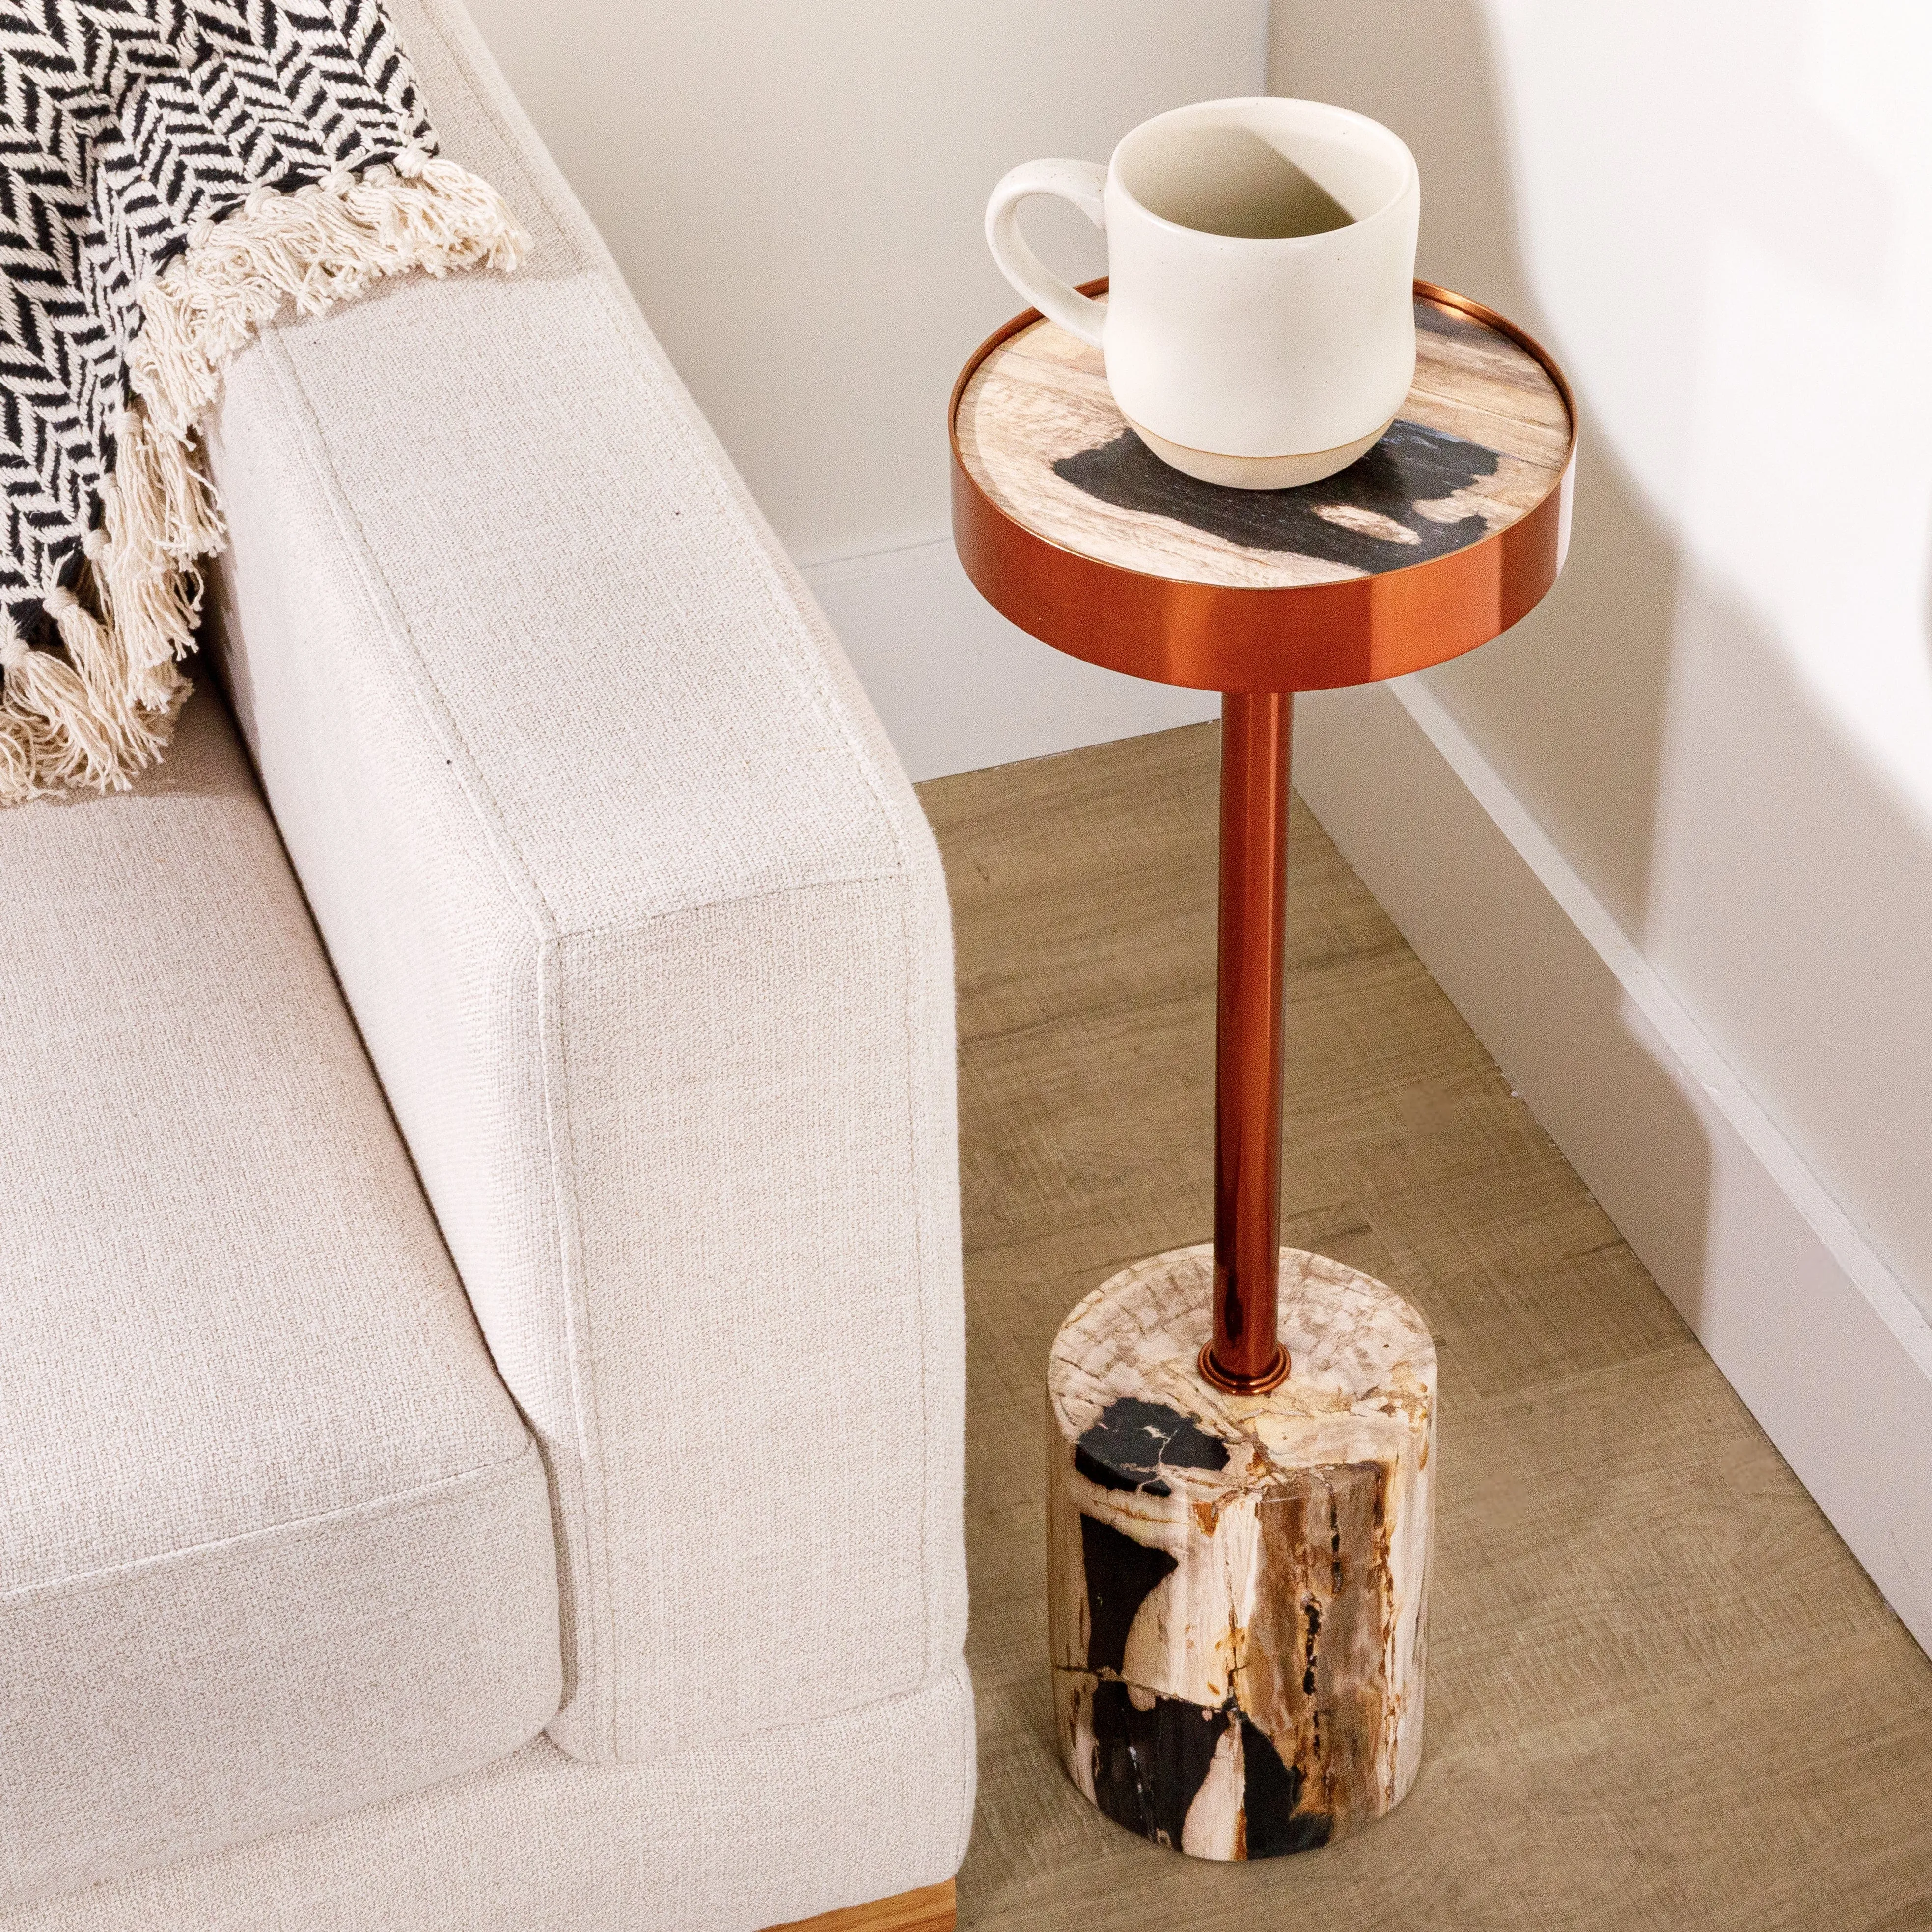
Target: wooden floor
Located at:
point(1662, 1693)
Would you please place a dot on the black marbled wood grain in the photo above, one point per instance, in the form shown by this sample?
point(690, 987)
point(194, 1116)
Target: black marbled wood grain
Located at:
point(1150, 1765)
point(1275, 1824)
point(1133, 1440)
point(1410, 465)
point(1120, 1573)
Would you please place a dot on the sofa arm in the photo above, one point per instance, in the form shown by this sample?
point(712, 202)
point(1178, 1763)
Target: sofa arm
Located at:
point(648, 940)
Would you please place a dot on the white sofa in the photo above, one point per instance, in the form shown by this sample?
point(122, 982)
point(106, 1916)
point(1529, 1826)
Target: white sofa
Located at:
point(481, 1367)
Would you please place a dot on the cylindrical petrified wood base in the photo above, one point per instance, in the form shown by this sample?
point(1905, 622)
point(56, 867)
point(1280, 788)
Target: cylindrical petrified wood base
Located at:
point(1237, 1585)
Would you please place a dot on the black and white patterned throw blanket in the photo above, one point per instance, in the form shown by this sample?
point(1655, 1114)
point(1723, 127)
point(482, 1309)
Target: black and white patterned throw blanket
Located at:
point(172, 173)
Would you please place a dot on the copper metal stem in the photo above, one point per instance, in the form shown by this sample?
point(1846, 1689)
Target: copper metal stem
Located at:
point(1245, 1355)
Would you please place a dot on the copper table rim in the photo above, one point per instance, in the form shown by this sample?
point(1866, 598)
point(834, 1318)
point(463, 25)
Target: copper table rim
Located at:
point(1228, 637)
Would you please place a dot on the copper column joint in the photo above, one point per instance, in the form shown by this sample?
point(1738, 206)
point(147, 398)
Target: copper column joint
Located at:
point(1245, 1355)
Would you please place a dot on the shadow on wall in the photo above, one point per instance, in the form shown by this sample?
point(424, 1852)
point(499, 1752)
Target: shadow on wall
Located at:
point(1548, 691)
point(1427, 69)
point(1716, 713)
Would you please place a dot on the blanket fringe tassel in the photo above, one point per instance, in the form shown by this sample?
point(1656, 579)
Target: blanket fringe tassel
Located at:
point(100, 711)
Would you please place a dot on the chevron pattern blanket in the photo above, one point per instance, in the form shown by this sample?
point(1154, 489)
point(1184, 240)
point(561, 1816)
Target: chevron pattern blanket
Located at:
point(172, 174)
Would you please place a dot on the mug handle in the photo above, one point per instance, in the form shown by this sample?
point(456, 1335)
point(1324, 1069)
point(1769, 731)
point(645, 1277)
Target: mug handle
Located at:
point(1080, 182)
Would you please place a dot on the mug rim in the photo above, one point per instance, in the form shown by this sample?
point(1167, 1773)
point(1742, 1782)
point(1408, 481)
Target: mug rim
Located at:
point(1207, 111)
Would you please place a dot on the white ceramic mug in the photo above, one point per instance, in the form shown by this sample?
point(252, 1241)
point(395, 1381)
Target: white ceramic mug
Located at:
point(1259, 329)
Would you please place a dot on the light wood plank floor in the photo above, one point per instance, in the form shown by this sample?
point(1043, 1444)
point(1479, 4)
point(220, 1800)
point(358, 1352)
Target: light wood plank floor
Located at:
point(1662, 1693)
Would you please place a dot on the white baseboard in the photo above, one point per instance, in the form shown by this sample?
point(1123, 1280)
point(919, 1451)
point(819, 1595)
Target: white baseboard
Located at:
point(1802, 1315)
point(957, 687)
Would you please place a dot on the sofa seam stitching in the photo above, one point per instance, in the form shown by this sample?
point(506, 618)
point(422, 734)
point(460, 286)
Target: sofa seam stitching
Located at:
point(30, 1595)
point(433, 705)
point(556, 1063)
point(962, 1693)
point(641, 920)
point(909, 963)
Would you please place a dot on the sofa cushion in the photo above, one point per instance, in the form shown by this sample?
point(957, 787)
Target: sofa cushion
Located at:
point(274, 1542)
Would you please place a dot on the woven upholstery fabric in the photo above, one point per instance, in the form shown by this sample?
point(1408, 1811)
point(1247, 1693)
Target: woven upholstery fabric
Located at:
point(743, 1833)
point(273, 1542)
point(649, 939)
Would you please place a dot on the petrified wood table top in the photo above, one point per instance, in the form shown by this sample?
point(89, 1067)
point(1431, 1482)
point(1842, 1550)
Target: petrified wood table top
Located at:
point(1445, 533)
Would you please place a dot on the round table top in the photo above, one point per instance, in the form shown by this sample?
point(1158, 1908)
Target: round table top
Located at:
point(1448, 531)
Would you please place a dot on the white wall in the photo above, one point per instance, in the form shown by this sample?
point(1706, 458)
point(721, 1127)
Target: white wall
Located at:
point(794, 192)
point(1718, 213)
point(1710, 752)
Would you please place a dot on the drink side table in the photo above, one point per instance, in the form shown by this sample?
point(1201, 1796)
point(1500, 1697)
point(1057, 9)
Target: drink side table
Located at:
point(1240, 1477)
